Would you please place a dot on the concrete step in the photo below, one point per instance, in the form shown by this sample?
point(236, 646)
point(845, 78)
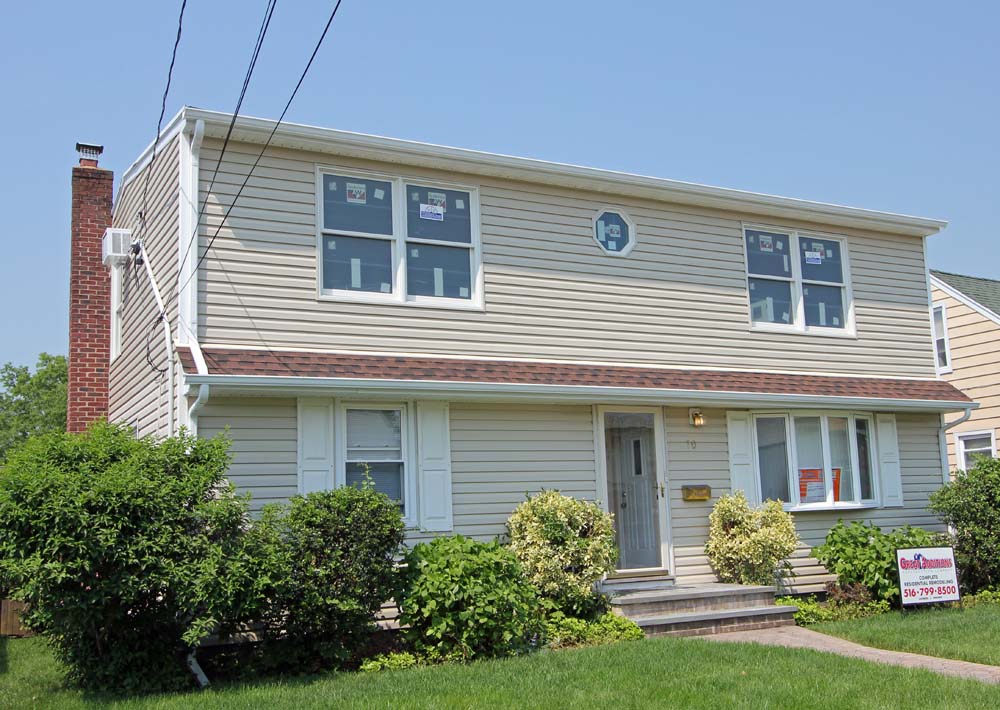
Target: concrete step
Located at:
point(691, 598)
point(626, 584)
point(717, 621)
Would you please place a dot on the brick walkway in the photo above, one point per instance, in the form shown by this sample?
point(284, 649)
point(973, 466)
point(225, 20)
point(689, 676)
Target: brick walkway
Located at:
point(798, 637)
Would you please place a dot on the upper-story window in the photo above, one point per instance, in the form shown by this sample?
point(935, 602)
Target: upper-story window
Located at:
point(387, 239)
point(614, 232)
point(798, 282)
point(942, 349)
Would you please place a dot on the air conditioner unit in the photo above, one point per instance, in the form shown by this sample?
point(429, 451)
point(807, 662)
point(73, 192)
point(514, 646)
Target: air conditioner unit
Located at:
point(115, 246)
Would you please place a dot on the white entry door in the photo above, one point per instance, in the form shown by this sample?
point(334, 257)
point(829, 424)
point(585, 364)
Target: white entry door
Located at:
point(634, 487)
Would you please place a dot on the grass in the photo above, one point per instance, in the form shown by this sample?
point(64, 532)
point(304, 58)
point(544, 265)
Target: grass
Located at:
point(677, 673)
point(963, 634)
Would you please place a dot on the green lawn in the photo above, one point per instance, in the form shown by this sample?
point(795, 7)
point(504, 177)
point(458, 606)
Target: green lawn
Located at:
point(676, 673)
point(965, 634)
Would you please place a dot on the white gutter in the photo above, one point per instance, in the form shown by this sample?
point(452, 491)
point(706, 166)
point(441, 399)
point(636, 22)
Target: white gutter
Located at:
point(524, 392)
point(391, 150)
point(960, 420)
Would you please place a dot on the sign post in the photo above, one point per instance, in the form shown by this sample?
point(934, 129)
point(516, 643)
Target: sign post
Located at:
point(927, 575)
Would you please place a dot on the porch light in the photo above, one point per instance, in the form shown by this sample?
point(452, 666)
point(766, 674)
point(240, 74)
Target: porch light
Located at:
point(696, 418)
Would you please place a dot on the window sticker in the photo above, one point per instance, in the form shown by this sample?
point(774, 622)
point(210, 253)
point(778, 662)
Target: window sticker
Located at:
point(601, 231)
point(836, 321)
point(332, 186)
point(438, 281)
point(357, 193)
point(814, 257)
point(415, 253)
point(753, 286)
point(830, 254)
point(431, 212)
point(385, 288)
point(438, 199)
point(355, 273)
point(812, 487)
point(459, 204)
point(766, 243)
point(781, 246)
point(379, 193)
point(331, 244)
point(614, 231)
point(784, 316)
point(463, 292)
point(817, 246)
point(785, 257)
point(613, 246)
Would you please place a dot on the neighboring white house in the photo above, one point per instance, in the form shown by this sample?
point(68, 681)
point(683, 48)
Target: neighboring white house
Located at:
point(966, 317)
point(476, 327)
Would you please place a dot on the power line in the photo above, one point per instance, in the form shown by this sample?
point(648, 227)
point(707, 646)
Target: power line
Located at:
point(267, 143)
point(265, 23)
point(163, 110)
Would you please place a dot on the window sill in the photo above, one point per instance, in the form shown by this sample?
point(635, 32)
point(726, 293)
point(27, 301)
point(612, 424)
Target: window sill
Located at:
point(393, 300)
point(793, 330)
point(827, 508)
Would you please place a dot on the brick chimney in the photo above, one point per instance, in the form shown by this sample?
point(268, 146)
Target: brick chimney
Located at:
point(89, 292)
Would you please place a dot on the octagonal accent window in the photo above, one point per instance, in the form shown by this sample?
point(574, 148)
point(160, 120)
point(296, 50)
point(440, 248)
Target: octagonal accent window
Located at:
point(614, 232)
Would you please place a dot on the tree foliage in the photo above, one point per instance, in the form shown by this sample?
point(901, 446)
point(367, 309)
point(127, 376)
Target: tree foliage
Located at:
point(32, 402)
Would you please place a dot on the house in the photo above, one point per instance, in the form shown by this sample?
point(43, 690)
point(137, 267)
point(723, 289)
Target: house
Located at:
point(966, 319)
point(472, 328)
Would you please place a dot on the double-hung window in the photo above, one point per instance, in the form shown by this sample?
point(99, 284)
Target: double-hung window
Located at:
point(942, 350)
point(971, 445)
point(797, 281)
point(388, 239)
point(375, 450)
point(816, 459)
point(117, 311)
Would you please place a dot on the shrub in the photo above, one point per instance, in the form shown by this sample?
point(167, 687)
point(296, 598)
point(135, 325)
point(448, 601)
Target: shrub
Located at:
point(467, 598)
point(970, 504)
point(812, 611)
point(390, 662)
point(338, 552)
point(127, 551)
point(860, 553)
point(563, 631)
point(750, 546)
point(988, 597)
point(565, 545)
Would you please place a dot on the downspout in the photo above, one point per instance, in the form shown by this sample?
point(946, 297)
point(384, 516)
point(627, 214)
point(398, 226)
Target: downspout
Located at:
point(196, 407)
point(943, 441)
point(962, 419)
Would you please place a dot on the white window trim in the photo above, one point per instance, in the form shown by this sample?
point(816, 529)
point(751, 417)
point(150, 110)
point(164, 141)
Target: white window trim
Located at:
point(960, 438)
point(475, 302)
point(409, 487)
point(117, 313)
point(793, 488)
point(798, 325)
point(633, 233)
point(947, 342)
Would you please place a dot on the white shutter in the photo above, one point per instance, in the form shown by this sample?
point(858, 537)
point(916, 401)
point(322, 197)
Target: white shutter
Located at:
point(741, 454)
point(315, 449)
point(434, 466)
point(888, 459)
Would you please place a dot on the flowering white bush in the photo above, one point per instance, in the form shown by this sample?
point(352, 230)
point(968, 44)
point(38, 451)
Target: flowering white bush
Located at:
point(565, 546)
point(750, 546)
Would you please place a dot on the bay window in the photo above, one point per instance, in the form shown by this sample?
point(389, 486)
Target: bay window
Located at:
point(815, 459)
point(387, 239)
point(797, 281)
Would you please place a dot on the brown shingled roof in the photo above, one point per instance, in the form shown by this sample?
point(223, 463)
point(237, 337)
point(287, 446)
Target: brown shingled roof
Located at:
point(222, 361)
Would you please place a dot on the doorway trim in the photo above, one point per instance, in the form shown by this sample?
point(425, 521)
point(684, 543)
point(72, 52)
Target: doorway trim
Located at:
point(663, 501)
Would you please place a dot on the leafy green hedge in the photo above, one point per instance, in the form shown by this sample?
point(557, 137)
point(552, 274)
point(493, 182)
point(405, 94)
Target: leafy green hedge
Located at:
point(750, 545)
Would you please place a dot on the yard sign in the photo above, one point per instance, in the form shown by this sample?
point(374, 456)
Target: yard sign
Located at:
point(927, 575)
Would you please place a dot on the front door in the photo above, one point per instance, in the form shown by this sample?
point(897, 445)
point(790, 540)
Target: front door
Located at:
point(634, 487)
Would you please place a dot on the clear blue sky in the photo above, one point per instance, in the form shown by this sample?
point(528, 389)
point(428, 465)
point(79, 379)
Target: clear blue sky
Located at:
point(889, 105)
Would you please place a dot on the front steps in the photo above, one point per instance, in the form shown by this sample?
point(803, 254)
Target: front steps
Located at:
point(697, 610)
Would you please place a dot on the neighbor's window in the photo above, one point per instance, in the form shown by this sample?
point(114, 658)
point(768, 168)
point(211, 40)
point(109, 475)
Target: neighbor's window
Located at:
point(796, 281)
point(375, 450)
point(942, 351)
point(815, 459)
point(389, 240)
point(974, 444)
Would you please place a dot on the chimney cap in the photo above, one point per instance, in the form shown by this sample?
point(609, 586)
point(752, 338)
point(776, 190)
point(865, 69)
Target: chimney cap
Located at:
point(89, 152)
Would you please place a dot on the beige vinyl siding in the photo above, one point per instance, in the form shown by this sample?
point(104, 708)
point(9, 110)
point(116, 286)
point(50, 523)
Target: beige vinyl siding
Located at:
point(974, 341)
point(708, 462)
point(137, 394)
point(265, 438)
point(679, 298)
point(502, 453)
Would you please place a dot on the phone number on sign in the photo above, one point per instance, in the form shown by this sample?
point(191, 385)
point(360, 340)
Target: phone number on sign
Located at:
point(929, 591)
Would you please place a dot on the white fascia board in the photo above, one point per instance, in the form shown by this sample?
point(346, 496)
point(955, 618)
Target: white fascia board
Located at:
point(393, 150)
point(965, 299)
point(258, 385)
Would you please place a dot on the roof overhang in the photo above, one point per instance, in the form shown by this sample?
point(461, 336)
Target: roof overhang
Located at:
point(610, 182)
point(282, 386)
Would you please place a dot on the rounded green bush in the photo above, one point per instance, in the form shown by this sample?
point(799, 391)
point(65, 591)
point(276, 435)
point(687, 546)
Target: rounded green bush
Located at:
point(970, 504)
point(750, 546)
point(467, 599)
point(565, 545)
